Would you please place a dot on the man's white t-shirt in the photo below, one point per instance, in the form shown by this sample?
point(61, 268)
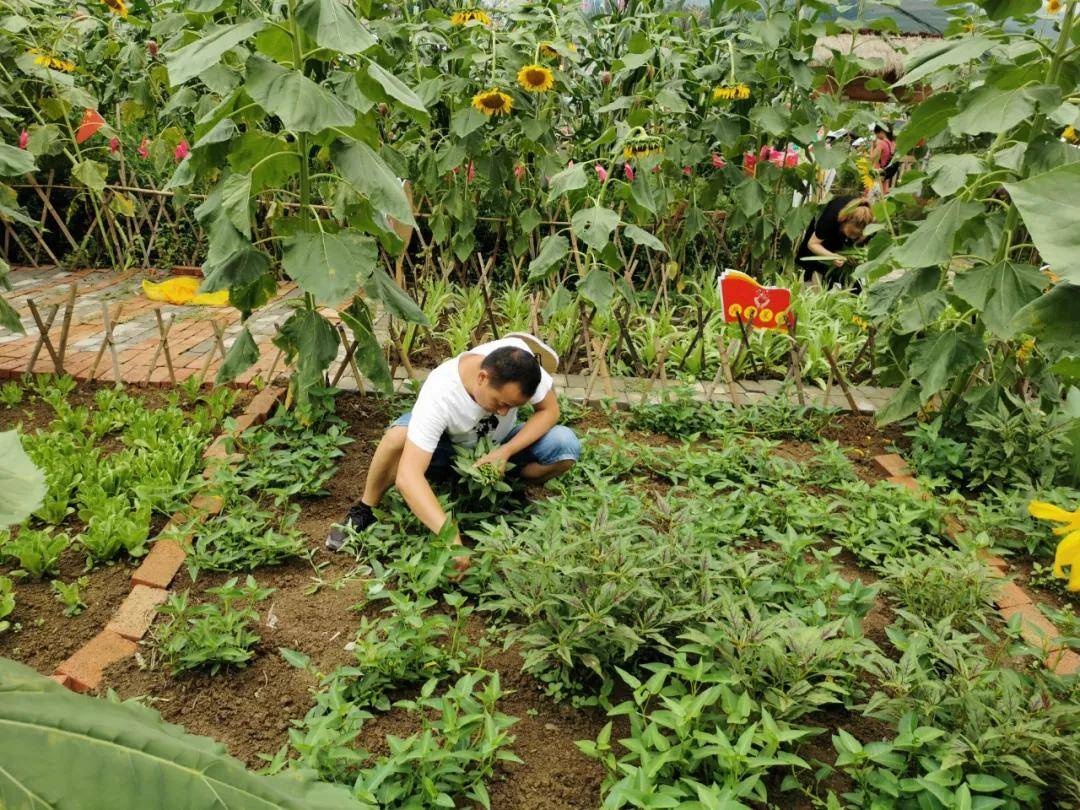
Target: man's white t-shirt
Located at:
point(444, 406)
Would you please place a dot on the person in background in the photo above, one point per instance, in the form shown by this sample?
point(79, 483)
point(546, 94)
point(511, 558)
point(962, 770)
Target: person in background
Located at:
point(840, 225)
point(882, 152)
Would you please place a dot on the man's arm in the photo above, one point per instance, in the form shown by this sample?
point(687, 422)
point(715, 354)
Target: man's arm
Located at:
point(543, 419)
point(817, 247)
point(413, 485)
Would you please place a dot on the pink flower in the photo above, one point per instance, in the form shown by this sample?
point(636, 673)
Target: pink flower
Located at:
point(24, 139)
point(718, 161)
point(144, 149)
point(152, 47)
point(570, 165)
point(519, 171)
point(656, 170)
point(114, 144)
point(471, 173)
point(687, 171)
point(628, 170)
point(601, 172)
point(456, 169)
point(181, 151)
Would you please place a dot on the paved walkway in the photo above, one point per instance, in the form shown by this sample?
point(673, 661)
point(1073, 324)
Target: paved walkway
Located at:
point(191, 339)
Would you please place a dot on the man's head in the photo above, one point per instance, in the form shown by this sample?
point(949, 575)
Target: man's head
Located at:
point(881, 132)
point(508, 378)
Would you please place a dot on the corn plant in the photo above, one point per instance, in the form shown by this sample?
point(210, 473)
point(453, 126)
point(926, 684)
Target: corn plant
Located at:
point(37, 552)
point(211, 635)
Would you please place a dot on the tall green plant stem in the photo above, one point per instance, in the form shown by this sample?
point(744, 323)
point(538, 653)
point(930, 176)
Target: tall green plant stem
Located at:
point(301, 138)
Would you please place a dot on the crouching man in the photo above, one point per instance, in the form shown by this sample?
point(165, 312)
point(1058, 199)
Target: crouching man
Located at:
point(473, 395)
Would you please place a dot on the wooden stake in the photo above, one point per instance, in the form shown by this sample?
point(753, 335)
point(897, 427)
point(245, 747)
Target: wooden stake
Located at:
point(840, 378)
point(793, 353)
point(219, 343)
point(69, 310)
point(108, 342)
point(595, 372)
point(725, 370)
point(43, 335)
point(163, 345)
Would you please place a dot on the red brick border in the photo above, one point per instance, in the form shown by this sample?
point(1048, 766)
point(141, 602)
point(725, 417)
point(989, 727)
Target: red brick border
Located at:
point(1011, 600)
point(82, 671)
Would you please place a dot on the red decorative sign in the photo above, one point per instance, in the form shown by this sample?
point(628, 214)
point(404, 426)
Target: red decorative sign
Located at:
point(90, 124)
point(755, 305)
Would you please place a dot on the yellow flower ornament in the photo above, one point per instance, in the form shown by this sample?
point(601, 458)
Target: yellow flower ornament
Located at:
point(1068, 550)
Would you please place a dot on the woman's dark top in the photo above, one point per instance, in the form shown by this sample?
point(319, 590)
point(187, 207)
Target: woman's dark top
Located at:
point(827, 228)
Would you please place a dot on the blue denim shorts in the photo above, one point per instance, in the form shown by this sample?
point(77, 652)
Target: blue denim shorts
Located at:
point(558, 444)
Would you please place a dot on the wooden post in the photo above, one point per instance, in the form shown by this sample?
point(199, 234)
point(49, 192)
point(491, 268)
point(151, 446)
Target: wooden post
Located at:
point(219, 343)
point(840, 378)
point(108, 342)
point(69, 310)
point(595, 372)
point(725, 370)
point(793, 353)
point(43, 335)
point(163, 346)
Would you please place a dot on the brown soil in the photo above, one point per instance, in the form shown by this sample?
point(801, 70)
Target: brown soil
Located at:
point(41, 636)
point(862, 439)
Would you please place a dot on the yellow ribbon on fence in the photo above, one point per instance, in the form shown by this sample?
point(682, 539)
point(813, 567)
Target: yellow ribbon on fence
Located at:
point(184, 290)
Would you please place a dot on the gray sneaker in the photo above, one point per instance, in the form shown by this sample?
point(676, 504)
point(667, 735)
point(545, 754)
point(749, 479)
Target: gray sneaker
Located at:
point(359, 518)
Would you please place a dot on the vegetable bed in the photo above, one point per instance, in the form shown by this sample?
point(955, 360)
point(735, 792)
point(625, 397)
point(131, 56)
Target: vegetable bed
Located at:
point(715, 608)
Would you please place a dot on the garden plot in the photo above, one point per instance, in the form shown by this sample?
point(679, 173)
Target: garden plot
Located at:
point(716, 608)
point(117, 464)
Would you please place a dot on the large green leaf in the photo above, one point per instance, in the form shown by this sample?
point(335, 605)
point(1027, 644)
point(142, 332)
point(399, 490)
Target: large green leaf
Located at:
point(332, 24)
point(242, 355)
point(330, 266)
point(595, 225)
point(9, 318)
point(62, 749)
point(1052, 320)
point(1000, 291)
point(901, 405)
point(932, 242)
point(1004, 9)
point(938, 360)
point(193, 59)
point(309, 341)
point(553, 249)
point(363, 168)
point(236, 201)
point(926, 121)
point(1049, 204)
point(15, 162)
point(569, 179)
point(369, 354)
point(380, 286)
point(91, 174)
point(643, 237)
point(396, 88)
point(301, 104)
point(992, 109)
point(22, 486)
point(598, 289)
point(948, 173)
point(929, 59)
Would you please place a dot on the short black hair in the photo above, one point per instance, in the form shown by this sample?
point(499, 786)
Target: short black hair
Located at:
point(511, 364)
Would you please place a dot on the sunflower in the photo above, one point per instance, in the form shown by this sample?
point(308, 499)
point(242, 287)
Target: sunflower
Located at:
point(493, 102)
point(460, 18)
point(117, 7)
point(1071, 135)
point(535, 78)
point(731, 92)
point(48, 61)
point(643, 146)
point(863, 165)
point(1053, 6)
point(547, 50)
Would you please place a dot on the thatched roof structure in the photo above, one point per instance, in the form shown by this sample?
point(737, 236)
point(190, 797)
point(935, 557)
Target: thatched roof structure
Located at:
point(886, 51)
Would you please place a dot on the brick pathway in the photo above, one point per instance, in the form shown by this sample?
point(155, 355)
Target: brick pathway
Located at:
point(192, 337)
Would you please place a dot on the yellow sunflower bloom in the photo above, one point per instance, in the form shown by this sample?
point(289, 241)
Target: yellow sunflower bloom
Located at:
point(536, 78)
point(460, 18)
point(493, 102)
point(865, 175)
point(1071, 135)
point(47, 61)
point(1023, 354)
point(1068, 550)
point(1053, 6)
point(547, 50)
point(1047, 511)
point(731, 92)
point(117, 7)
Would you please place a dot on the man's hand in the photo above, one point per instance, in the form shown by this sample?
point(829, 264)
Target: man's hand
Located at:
point(462, 563)
point(497, 458)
